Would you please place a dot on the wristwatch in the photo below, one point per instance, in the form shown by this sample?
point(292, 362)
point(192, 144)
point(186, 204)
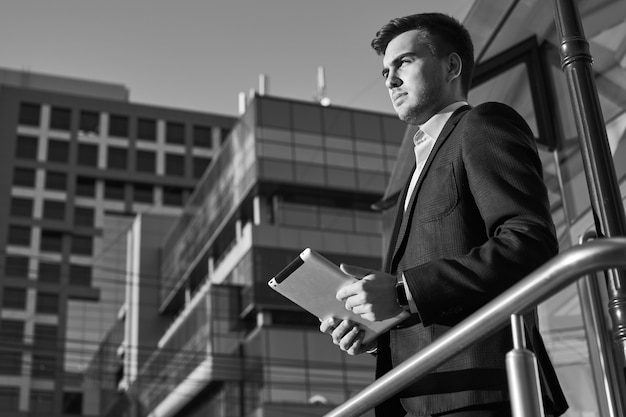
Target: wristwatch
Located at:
point(401, 296)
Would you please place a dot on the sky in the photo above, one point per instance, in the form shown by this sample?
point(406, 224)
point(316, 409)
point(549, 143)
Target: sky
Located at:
point(200, 54)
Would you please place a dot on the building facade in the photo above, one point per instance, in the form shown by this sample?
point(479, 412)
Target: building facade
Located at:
point(77, 162)
point(291, 175)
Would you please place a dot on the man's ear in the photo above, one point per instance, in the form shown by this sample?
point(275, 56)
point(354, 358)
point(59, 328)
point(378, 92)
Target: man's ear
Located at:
point(455, 66)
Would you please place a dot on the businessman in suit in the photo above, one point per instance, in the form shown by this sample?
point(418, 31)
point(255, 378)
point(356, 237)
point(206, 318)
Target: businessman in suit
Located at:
point(472, 220)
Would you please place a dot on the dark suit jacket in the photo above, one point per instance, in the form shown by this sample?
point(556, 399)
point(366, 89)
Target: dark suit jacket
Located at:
point(478, 221)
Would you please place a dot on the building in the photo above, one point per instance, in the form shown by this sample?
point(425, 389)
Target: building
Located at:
point(291, 175)
point(77, 162)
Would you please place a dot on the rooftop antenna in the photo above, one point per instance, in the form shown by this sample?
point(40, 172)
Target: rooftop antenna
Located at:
point(321, 87)
point(263, 84)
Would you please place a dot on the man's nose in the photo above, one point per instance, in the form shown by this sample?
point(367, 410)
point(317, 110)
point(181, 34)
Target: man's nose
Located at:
point(392, 80)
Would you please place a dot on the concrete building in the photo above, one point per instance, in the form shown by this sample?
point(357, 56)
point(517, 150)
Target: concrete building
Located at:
point(77, 160)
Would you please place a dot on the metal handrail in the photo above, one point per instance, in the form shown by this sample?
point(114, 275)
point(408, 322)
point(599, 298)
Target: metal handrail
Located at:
point(544, 282)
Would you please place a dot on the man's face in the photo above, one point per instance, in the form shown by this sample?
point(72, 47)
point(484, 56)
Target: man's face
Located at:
point(415, 78)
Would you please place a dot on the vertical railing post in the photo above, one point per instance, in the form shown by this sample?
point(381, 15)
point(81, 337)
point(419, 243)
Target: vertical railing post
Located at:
point(606, 202)
point(607, 372)
point(523, 374)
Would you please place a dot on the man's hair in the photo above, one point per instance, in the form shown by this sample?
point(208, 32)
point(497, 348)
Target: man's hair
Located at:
point(442, 34)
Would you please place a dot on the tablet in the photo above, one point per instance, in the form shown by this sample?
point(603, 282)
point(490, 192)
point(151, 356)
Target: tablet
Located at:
point(312, 281)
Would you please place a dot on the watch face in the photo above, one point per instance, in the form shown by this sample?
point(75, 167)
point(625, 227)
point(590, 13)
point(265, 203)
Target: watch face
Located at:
point(401, 295)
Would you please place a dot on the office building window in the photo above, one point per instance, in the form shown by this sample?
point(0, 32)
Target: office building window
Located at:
point(53, 210)
point(145, 161)
point(24, 177)
point(73, 403)
point(26, 147)
point(18, 235)
point(51, 241)
point(89, 122)
point(41, 402)
point(146, 129)
point(45, 335)
point(80, 275)
point(337, 122)
point(274, 113)
point(200, 165)
point(14, 298)
point(11, 331)
point(175, 165)
point(29, 114)
point(10, 363)
point(118, 126)
point(9, 398)
point(307, 117)
point(117, 158)
point(367, 126)
point(172, 196)
point(175, 133)
point(114, 190)
point(202, 137)
point(21, 207)
point(47, 302)
point(16, 266)
point(87, 155)
point(44, 366)
point(143, 193)
point(56, 181)
point(82, 245)
point(84, 216)
point(58, 151)
point(60, 118)
point(85, 187)
point(49, 272)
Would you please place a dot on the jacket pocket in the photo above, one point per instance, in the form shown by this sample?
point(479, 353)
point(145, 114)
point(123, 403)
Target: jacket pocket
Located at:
point(438, 194)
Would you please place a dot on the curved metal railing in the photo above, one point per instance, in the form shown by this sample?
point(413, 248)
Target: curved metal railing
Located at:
point(553, 276)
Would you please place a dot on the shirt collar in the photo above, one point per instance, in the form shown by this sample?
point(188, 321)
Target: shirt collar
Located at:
point(433, 126)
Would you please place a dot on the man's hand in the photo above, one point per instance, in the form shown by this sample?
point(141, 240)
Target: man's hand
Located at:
point(347, 335)
point(373, 297)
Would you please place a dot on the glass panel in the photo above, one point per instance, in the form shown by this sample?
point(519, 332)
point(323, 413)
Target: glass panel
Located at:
point(145, 161)
point(26, 147)
point(87, 154)
point(117, 158)
point(118, 126)
point(367, 126)
point(274, 113)
point(175, 165)
point(89, 122)
point(175, 133)
point(58, 151)
point(29, 114)
point(16, 266)
point(307, 117)
point(202, 137)
point(337, 122)
point(60, 118)
point(24, 177)
point(146, 129)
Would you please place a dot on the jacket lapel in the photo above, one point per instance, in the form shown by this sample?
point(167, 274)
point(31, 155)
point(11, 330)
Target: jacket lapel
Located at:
point(403, 218)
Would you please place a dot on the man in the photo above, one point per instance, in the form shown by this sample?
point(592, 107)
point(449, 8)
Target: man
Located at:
point(472, 220)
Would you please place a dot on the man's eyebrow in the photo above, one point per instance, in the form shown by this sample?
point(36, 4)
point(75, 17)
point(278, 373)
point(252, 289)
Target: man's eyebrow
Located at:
point(395, 61)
